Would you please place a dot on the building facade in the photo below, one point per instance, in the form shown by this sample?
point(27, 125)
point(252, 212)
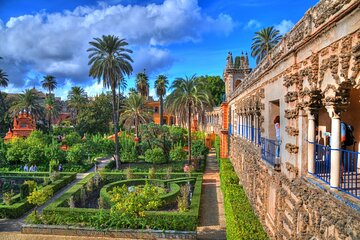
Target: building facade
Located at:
point(302, 180)
point(23, 125)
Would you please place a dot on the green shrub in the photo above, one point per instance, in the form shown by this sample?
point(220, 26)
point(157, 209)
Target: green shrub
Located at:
point(241, 221)
point(198, 149)
point(128, 149)
point(178, 154)
point(72, 138)
point(24, 191)
point(76, 154)
point(7, 197)
point(155, 155)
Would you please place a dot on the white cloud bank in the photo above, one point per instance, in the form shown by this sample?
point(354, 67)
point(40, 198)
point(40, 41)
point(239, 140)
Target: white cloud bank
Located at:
point(284, 26)
point(56, 43)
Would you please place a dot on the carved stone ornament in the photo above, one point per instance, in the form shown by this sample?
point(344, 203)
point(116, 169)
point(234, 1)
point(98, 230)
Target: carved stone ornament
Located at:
point(292, 79)
point(291, 148)
point(291, 113)
point(331, 63)
point(291, 97)
point(325, 9)
point(291, 131)
point(356, 66)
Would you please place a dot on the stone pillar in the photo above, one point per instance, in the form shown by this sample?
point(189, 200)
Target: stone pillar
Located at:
point(311, 141)
point(335, 146)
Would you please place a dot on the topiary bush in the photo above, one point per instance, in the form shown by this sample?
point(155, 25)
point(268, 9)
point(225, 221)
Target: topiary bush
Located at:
point(155, 155)
point(198, 149)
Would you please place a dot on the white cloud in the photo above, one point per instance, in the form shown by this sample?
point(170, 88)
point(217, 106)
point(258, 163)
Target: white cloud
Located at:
point(253, 24)
point(56, 43)
point(284, 26)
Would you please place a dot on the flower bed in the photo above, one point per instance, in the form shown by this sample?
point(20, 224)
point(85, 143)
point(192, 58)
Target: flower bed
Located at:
point(20, 206)
point(60, 212)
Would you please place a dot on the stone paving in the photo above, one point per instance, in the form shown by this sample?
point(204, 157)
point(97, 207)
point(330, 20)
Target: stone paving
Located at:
point(212, 219)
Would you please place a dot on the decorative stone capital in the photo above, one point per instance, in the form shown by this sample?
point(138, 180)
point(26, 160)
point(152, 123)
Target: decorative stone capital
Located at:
point(334, 111)
point(312, 112)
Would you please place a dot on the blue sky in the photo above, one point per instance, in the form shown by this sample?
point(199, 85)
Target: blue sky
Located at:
point(172, 37)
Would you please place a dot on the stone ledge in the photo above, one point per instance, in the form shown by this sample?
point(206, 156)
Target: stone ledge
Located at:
point(119, 234)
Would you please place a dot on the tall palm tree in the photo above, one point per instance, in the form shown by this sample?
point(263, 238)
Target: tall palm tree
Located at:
point(52, 109)
point(135, 112)
point(110, 61)
point(189, 97)
point(76, 99)
point(3, 83)
point(49, 83)
point(263, 41)
point(29, 101)
point(161, 84)
point(142, 84)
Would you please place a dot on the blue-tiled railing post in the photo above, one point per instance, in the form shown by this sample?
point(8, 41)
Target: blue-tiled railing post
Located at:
point(252, 134)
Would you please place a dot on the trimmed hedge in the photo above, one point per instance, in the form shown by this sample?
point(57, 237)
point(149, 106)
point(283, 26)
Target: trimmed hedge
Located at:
point(57, 214)
point(241, 221)
point(20, 207)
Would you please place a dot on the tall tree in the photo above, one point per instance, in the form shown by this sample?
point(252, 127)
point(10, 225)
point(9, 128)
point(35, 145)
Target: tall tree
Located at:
point(135, 112)
point(216, 86)
point(263, 41)
point(49, 83)
point(110, 61)
point(161, 84)
point(189, 97)
point(3, 83)
point(76, 99)
point(29, 101)
point(142, 84)
point(52, 109)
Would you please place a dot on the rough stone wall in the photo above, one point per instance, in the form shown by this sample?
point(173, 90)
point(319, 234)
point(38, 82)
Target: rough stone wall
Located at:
point(290, 209)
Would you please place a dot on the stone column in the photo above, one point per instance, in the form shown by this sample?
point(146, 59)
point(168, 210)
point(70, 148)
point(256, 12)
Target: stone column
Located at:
point(311, 141)
point(335, 146)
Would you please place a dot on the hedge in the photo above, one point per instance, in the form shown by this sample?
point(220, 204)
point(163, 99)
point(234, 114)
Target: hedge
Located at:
point(57, 214)
point(241, 221)
point(20, 207)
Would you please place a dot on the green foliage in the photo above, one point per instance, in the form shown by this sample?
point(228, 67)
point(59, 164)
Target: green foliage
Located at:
point(198, 149)
point(177, 135)
point(129, 173)
point(183, 199)
point(136, 201)
point(95, 117)
point(7, 197)
point(24, 191)
point(36, 154)
point(39, 196)
point(216, 86)
point(128, 149)
point(152, 172)
point(156, 136)
point(217, 146)
point(155, 155)
point(76, 154)
point(53, 152)
point(72, 138)
point(241, 221)
point(17, 151)
point(178, 154)
point(3, 161)
point(31, 185)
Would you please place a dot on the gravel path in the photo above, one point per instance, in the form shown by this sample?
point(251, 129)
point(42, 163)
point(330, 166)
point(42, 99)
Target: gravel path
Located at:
point(212, 220)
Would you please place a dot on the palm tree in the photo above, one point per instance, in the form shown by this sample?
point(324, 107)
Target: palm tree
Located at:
point(161, 84)
point(142, 84)
point(133, 91)
point(52, 109)
point(76, 99)
point(263, 41)
point(29, 101)
point(135, 112)
point(110, 61)
point(3, 83)
point(189, 96)
point(50, 84)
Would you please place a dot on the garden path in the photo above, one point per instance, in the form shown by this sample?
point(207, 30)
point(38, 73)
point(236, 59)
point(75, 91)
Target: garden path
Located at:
point(13, 225)
point(212, 216)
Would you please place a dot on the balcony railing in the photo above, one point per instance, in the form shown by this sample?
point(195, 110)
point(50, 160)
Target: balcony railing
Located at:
point(350, 176)
point(268, 151)
point(322, 162)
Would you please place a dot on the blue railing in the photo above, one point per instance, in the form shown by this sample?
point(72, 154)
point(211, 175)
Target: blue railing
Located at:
point(350, 177)
point(350, 180)
point(322, 162)
point(268, 151)
point(230, 129)
point(252, 134)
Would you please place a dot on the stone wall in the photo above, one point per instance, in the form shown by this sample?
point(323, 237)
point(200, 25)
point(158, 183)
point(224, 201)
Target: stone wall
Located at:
point(290, 209)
